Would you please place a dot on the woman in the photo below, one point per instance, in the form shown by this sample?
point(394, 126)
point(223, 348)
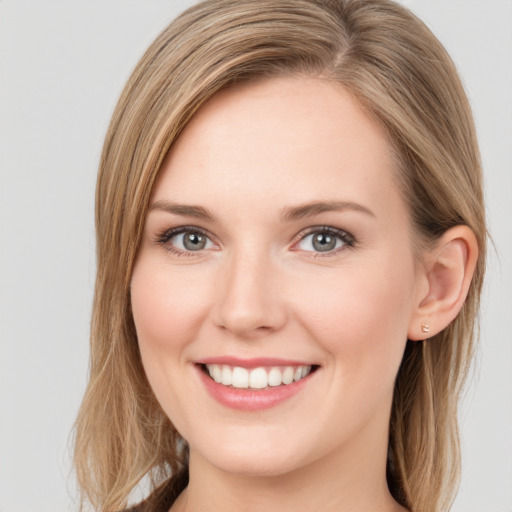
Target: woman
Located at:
point(291, 245)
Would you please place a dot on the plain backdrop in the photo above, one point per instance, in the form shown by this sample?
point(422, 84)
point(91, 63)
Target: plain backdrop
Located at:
point(62, 67)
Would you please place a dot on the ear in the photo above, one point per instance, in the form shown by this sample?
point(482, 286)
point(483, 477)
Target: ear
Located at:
point(445, 278)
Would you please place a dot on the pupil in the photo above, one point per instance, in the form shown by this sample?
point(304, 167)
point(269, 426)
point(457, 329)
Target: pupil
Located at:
point(324, 242)
point(194, 241)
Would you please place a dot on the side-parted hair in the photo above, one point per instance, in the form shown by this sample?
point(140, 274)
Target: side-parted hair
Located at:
point(405, 81)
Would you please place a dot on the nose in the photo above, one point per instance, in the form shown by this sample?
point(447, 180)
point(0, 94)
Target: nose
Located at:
point(248, 300)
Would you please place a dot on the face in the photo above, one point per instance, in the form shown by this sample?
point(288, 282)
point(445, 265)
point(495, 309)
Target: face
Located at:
point(276, 280)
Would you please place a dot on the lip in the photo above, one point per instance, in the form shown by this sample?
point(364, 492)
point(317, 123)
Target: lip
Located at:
point(254, 362)
point(247, 399)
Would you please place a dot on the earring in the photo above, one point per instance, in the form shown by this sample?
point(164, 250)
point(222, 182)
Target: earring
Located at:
point(425, 327)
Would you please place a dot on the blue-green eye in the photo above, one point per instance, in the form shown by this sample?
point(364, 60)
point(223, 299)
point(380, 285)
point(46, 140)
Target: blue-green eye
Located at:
point(325, 240)
point(185, 240)
point(191, 241)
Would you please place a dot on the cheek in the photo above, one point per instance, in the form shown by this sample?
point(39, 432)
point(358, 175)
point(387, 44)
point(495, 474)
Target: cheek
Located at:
point(360, 314)
point(167, 310)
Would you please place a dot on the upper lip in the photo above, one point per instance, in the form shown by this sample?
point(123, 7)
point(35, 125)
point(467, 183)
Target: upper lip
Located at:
point(254, 362)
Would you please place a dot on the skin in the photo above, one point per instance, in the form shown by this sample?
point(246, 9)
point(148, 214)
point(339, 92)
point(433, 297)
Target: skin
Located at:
point(260, 289)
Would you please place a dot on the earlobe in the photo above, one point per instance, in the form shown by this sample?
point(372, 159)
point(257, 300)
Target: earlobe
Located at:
point(449, 270)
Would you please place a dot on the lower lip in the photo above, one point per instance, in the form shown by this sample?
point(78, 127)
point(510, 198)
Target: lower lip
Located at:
point(248, 399)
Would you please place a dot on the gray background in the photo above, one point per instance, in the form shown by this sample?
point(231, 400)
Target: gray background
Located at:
point(62, 67)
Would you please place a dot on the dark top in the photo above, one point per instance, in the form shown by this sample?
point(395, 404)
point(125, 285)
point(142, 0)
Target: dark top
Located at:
point(163, 497)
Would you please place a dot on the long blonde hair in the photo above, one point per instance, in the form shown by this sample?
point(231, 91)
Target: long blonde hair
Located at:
point(404, 79)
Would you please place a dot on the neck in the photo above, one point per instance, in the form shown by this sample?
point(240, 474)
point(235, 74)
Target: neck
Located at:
point(332, 483)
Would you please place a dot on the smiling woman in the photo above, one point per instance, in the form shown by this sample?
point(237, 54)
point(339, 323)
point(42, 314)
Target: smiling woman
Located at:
point(293, 192)
point(279, 303)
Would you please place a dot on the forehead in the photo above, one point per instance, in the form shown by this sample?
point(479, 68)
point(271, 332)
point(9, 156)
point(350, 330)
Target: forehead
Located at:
point(292, 139)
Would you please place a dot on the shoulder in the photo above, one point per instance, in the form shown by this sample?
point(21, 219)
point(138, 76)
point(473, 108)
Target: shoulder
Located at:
point(163, 497)
point(150, 505)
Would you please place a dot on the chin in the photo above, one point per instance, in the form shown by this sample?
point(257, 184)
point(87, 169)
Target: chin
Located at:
point(251, 456)
point(249, 466)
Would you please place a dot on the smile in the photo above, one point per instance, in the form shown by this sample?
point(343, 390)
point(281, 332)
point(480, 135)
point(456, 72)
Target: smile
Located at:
point(256, 378)
point(254, 384)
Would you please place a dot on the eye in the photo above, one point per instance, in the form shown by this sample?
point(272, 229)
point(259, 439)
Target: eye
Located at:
point(185, 240)
point(325, 240)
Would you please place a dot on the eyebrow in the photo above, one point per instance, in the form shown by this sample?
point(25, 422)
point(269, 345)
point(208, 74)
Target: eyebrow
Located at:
point(315, 208)
point(288, 214)
point(197, 212)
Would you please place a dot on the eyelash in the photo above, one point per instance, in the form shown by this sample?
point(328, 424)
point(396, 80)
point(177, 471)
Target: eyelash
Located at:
point(164, 238)
point(346, 238)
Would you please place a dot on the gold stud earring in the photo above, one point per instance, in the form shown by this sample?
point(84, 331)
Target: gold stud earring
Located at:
point(425, 327)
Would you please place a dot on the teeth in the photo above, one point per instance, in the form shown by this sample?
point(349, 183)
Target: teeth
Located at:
point(288, 375)
point(257, 378)
point(226, 376)
point(217, 373)
point(275, 377)
point(240, 377)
